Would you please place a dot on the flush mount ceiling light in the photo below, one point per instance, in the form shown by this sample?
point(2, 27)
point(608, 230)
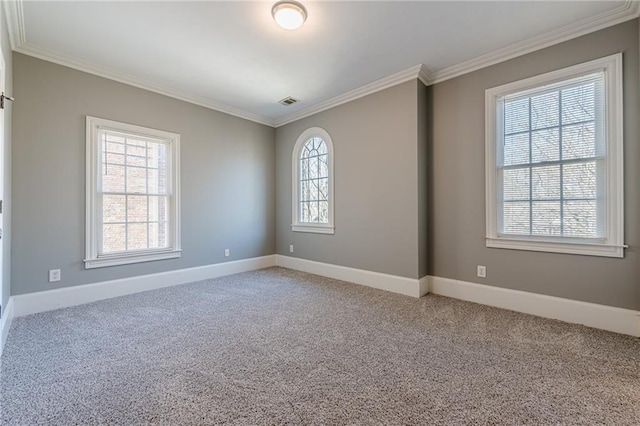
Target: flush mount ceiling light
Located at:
point(289, 14)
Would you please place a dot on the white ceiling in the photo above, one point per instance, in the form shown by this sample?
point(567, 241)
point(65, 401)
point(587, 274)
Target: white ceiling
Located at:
point(232, 56)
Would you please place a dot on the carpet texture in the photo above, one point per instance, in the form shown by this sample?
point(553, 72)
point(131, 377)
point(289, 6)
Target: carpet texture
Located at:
point(282, 347)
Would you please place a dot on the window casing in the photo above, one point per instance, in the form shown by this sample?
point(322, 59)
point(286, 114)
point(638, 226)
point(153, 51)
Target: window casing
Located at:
point(133, 202)
point(554, 161)
point(312, 183)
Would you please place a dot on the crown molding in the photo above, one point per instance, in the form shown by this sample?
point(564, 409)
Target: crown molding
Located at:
point(425, 75)
point(375, 86)
point(629, 10)
point(17, 34)
point(14, 17)
point(152, 86)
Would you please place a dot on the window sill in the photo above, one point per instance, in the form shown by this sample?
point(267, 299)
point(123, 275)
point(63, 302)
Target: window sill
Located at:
point(585, 249)
point(103, 262)
point(316, 229)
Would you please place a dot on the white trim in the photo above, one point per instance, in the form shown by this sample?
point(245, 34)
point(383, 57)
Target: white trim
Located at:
point(629, 10)
point(557, 247)
point(368, 89)
point(393, 283)
point(425, 75)
point(423, 283)
point(5, 323)
point(63, 59)
point(618, 320)
point(130, 258)
point(297, 226)
point(93, 216)
point(613, 243)
point(15, 23)
point(314, 229)
point(31, 303)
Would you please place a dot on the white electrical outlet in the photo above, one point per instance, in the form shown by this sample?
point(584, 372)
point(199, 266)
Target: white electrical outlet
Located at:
point(226, 252)
point(290, 248)
point(482, 271)
point(54, 275)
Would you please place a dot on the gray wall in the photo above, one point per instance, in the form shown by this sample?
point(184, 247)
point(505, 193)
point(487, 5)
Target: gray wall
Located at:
point(227, 173)
point(376, 184)
point(456, 182)
point(6, 236)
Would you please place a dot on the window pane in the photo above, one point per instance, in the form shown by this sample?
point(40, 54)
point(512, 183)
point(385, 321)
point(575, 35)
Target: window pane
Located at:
point(305, 213)
point(323, 189)
point(323, 211)
point(158, 209)
point(113, 238)
point(516, 218)
point(313, 212)
point(152, 181)
point(154, 241)
point(136, 208)
point(546, 182)
point(136, 236)
point(313, 167)
point(308, 149)
point(305, 152)
point(114, 146)
point(163, 234)
point(545, 110)
point(324, 168)
point(313, 190)
point(136, 180)
point(137, 148)
point(516, 116)
point(545, 145)
point(578, 141)
point(136, 160)
point(111, 158)
point(156, 155)
point(304, 169)
point(579, 180)
point(516, 149)
point(322, 147)
point(578, 103)
point(113, 208)
point(580, 219)
point(546, 218)
point(113, 179)
point(516, 184)
point(305, 192)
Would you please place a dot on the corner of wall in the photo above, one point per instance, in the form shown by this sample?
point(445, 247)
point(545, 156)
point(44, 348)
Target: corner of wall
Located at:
point(6, 202)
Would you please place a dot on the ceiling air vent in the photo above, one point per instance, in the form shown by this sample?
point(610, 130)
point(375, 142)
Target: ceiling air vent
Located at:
point(288, 101)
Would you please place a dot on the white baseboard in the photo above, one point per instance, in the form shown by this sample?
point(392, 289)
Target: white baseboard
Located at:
point(396, 284)
point(5, 323)
point(618, 320)
point(31, 303)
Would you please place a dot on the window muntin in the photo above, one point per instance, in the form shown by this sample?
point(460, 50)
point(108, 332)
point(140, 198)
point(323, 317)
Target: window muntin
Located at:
point(554, 161)
point(312, 183)
point(133, 203)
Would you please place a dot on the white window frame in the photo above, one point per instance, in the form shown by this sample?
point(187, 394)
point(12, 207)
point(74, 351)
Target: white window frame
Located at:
point(612, 245)
point(93, 209)
point(297, 225)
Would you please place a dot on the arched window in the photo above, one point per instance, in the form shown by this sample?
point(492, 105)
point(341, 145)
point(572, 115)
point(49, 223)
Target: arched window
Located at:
point(313, 182)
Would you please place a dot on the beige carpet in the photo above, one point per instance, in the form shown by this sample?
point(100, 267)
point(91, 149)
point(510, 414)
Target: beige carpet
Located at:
point(282, 347)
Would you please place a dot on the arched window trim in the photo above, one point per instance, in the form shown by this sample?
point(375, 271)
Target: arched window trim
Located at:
point(297, 225)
